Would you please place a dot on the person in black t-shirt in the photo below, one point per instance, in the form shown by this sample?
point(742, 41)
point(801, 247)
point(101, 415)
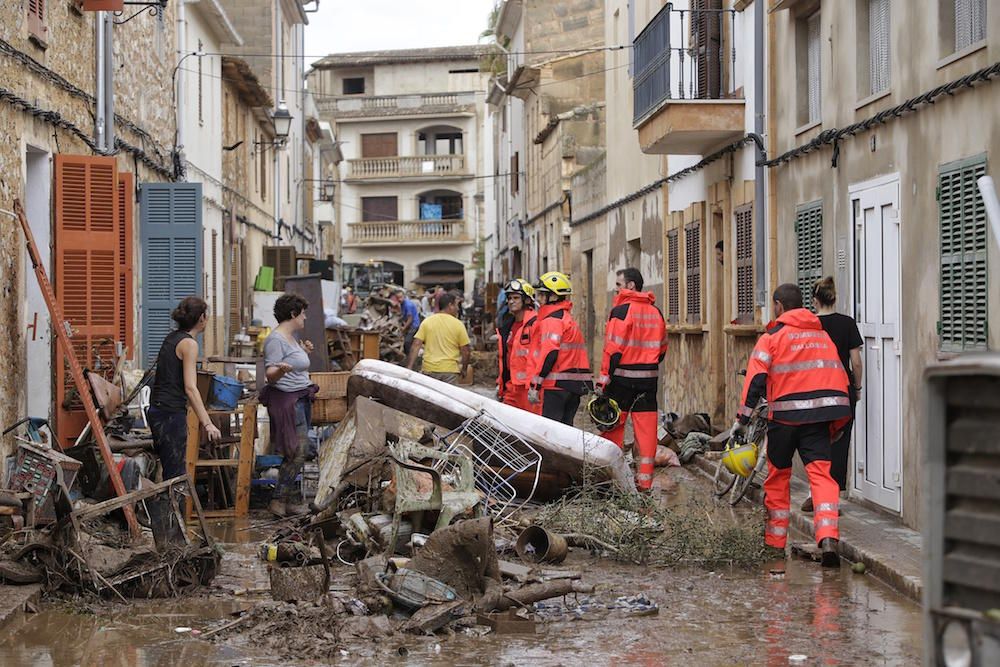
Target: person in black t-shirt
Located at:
point(843, 330)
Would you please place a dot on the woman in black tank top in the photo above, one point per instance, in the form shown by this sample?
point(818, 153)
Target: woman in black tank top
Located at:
point(175, 386)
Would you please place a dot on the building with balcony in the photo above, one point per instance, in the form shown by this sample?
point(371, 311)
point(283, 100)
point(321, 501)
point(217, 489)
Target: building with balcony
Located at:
point(408, 126)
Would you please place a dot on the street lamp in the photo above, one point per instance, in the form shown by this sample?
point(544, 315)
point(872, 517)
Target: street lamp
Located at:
point(328, 189)
point(281, 119)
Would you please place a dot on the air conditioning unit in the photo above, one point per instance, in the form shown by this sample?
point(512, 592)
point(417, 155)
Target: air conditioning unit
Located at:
point(961, 528)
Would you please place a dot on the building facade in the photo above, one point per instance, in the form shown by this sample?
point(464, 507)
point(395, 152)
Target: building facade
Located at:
point(409, 127)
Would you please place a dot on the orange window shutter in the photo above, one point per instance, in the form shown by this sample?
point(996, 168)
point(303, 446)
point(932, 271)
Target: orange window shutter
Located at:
point(126, 289)
point(86, 264)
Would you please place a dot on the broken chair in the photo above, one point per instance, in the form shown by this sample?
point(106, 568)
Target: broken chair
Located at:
point(461, 497)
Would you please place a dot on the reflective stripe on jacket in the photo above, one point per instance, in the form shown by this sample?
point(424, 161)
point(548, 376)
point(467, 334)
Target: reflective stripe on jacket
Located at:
point(562, 353)
point(798, 367)
point(635, 341)
point(523, 351)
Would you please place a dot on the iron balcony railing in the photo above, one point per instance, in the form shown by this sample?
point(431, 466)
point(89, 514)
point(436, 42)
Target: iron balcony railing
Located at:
point(682, 54)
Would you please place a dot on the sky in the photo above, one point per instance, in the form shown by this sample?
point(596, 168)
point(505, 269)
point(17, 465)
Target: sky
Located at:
point(342, 26)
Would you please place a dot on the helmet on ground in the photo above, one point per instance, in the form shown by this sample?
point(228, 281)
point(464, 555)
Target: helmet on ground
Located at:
point(740, 459)
point(556, 282)
point(604, 412)
point(520, 286)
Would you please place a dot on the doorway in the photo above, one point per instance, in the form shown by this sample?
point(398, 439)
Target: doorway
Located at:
point(878, 445)
point(38, 332)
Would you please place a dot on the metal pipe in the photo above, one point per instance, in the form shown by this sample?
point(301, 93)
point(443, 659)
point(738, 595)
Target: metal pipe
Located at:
point(760, 224)
point(179, 72)
point(99, 54)
point(109, 80)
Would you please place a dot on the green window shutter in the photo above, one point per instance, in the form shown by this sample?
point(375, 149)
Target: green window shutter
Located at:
point(171, 256)
point(808, 248)
point(964, 237)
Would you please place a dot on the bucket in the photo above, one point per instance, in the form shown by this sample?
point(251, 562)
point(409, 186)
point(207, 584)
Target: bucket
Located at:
point(540, 546)
point(225, 393)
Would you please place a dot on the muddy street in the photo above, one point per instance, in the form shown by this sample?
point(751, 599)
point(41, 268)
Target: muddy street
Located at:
point(706, 617)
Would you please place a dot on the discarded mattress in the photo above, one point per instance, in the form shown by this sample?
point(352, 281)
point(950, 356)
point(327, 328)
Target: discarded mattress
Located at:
point(564, 449)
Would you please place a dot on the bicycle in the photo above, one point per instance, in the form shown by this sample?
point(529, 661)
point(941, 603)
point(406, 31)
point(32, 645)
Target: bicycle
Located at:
point(737, 486)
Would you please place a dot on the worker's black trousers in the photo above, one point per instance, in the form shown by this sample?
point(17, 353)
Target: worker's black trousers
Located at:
point(560, 405)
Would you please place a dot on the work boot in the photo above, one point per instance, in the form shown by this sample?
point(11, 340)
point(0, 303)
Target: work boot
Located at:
point(830, 558)
point(277, 508)
point(807, 506)
point(774, 553)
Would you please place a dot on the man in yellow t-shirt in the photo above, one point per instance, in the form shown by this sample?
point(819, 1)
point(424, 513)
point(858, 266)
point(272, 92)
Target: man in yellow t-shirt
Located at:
point(445, 343)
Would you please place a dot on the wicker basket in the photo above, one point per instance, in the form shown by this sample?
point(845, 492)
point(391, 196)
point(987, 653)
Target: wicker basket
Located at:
point(331, 400)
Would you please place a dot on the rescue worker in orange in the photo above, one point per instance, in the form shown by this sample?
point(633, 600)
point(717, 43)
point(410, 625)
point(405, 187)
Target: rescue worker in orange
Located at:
point(796, 365)
point(515, 346)
point(635, 343)
point(562, 371)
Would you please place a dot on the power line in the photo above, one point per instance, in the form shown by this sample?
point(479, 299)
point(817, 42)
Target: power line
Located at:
point(389, 55)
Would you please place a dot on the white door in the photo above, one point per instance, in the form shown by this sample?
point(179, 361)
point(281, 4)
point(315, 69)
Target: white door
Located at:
point(38, 333)
point(877, 445)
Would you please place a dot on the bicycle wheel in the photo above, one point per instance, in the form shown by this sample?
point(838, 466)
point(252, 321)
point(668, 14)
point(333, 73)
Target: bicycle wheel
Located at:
point(743, 484)
point(723, 480)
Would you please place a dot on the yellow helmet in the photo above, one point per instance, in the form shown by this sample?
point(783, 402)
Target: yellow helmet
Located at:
point(555, 282)
point(520, 286)
point(740, 459)
point(604, 412)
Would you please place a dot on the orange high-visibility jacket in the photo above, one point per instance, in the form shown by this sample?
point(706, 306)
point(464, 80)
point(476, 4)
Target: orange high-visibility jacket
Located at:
point(562, 354)
point(797, 365)
point(513, 355)
point(635, 341)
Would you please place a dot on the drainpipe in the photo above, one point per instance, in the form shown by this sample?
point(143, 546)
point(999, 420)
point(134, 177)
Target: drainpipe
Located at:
point(99, 70)
point(180, 83)
point(278, 79)
point(760, 224)
point(109, 81)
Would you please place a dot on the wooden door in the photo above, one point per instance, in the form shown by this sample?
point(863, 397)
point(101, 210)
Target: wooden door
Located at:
point(379, 209)
point(382, 144)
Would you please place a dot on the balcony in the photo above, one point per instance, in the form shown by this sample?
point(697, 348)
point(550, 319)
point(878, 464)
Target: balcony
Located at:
point(409, 232)
point(682, 61)
point(416, 168)
point(366, 106)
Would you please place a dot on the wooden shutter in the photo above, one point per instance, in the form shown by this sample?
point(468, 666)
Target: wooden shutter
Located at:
point(87, 245)
point(235, 288)
point(706, 37)
point(382, 144)
point(808, 248)
point(515, 173)
point(692, 264)
point(284, 259)
point(970, 22)
point(171, 256)
point(878, 45)
point(744, 264)
point(813, 64)
point(964, 275)
point(126, 289)
point(36, 15)
point(673, 279)
point(379, 209)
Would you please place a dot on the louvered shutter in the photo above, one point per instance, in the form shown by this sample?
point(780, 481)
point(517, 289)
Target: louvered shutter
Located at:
point(86, 245)
point(808, 249)
point(878, 45)
point(284, 259)
point(744, 264)
point(36, 14)
point(964, 275)
point(706, 35)
point(673, 279)
point(235, 288)
point(126, 289)
point(813, 59)
point(692, 257)
point(970, 22)
point(171, 256)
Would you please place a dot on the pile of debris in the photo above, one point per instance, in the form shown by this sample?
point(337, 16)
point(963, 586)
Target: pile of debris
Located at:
point(380, 316)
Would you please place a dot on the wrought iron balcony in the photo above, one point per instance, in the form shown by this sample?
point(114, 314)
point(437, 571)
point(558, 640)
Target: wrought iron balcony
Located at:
point(684, 59)
point(393, 232)
point(421, 166)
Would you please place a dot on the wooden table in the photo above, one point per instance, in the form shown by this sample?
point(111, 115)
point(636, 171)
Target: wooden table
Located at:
point(242, 459)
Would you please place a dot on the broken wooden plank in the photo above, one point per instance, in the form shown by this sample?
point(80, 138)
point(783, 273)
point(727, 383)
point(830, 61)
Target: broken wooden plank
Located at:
point(117, 503)
point(433, 617)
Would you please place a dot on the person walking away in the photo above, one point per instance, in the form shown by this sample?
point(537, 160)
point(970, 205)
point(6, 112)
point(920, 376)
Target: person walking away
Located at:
point(514, 346)
point(175, 387)
point(288, 394)
point(635, 342)
point(445, 343)
point(562, 372)
point(797, 366)
point(843, 331)
point(411, 312)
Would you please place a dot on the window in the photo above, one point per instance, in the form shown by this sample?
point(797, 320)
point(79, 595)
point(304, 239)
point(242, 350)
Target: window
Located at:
point(382, 144)
point(744, 264)
point(970, 22)
point(354, 86)
point(673, 279)
point(808, 248)
point(875, 26)
point(515, 169)
point(36, 14)
point(808, 50)
point(706, 37)
point(964, 236)
point(201, 115)
point(692, 263)
point(376, 209)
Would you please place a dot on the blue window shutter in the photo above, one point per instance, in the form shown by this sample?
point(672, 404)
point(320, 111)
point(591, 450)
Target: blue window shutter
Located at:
point(171, 256)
